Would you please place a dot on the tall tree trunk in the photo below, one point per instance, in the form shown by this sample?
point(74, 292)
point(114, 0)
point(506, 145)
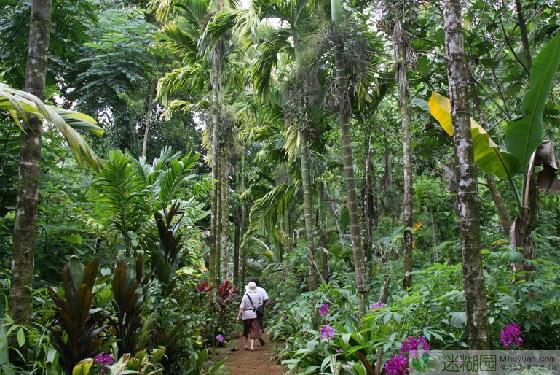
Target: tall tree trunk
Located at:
point(25, 227)
point(151, 103)
point(243, 224)
point(401, 56)
point(344, 114)
point(524, 34)
point(308, 210)
point(224, 196)
point(216, 251)
point(303, 128)
point(473, 276)
point(237, 227)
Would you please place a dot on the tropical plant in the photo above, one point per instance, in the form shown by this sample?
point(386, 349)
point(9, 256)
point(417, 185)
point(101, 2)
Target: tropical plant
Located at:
point(76, 334)
point(525, 148)
point(128, 300)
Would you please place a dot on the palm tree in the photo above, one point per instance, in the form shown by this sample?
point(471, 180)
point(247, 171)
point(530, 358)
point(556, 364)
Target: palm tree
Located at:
point(473, 277)
point(344, 114)
point(199, 30)
point(296, 16)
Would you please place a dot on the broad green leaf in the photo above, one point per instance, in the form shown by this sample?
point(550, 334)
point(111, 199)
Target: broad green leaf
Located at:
point(20, 335)
point(525, 134)
point(488, 156)
point(83, 367)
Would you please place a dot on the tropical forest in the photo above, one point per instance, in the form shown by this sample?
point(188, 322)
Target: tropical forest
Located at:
point(268, 187)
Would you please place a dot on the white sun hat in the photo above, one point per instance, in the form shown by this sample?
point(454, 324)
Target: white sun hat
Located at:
point(251, 287)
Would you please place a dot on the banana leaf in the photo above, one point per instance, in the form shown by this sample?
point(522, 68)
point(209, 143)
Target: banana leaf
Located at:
point(489, 157)
point(525, 134)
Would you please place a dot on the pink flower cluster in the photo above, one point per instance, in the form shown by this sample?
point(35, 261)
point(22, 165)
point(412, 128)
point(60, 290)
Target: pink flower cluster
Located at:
point(412, 345)
point(326, 332)
point(104, 359)
point(511, 336)
point(397, 365)
point(324, 309)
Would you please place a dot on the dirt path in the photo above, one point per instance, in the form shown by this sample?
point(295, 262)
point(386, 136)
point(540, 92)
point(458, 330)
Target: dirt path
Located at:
point(259, 362)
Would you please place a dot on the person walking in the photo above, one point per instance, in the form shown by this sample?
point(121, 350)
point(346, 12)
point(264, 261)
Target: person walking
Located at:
point(250, 302)
point(260, 312)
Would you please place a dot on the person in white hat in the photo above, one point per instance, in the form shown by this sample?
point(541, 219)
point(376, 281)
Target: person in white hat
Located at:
point(248, 313)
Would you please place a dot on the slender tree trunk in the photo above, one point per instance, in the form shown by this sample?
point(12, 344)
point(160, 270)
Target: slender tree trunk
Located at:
point(501, 208)
point(369, 207)
point(304, 124)
point(224, 196)
point(237, 228)
point(216, 251)
point(308, 210)
point(499, 203)
point(243, 224)
point(401, 47)
point(524, 34)
point(387, 179)
point(151, 102)
point(473, 276)
point(25, 227)
point(344, 114)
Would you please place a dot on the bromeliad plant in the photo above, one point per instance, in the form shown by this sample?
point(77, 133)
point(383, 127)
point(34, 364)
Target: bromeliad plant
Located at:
point(525, 148)
point(76, 335)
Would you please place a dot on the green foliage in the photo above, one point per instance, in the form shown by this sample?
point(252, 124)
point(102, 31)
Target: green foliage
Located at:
point(77, 334)
point(524, 135)
point(121, 194)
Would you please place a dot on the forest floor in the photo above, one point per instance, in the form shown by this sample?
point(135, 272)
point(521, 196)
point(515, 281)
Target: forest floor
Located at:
point(259, 362)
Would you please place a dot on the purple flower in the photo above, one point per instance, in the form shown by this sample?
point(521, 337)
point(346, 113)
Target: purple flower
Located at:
point(220, 339)
point(104, 359)
point(413, 345)
point(339, 350)
point(511, 336)
point(397, 365)
point(326, 332)
point(376, 305)
point(324, 309)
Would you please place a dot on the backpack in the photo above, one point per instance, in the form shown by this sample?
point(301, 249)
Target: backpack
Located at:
point(258, 310)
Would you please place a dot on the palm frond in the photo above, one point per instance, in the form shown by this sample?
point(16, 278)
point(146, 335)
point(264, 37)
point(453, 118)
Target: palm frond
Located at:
point(275, 43)
point(20, 104)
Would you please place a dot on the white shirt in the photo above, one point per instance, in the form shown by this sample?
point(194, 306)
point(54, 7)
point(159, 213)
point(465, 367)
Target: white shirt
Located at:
point(262, 293)
point(248, 309)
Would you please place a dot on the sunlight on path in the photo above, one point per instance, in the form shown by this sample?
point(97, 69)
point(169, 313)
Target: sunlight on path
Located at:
point(259, 362)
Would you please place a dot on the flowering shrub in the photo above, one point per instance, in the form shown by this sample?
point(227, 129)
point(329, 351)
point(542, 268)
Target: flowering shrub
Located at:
point(324, 309)
point(104, 359)
point(511, 336)
point(413, 345)
point(397, 365)
point(326, 332)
